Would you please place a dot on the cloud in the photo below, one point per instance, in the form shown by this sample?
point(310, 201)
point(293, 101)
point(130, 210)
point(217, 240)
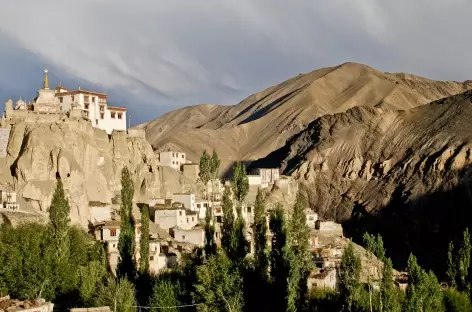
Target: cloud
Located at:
point(159, 55)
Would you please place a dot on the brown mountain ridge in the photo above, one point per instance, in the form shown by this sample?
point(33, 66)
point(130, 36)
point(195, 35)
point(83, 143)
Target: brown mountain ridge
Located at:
point(263, 122)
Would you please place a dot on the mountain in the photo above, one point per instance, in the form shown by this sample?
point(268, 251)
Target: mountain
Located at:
point(405, 174)
point(264, 121)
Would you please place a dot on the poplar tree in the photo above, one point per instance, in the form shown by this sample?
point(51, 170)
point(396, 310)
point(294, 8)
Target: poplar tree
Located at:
point(464, 261)
point(279, 271)
point(299, 235)
point(423, 292)
point(240, 185)
point(214, 170)
point(59, 219)
point(205, 170)
point(210, 245)
point(451, 272)
point(126, 240)
point(227, 228)
point(388, 292)
point(144, 242)
point(349, 275)
point(261, 253)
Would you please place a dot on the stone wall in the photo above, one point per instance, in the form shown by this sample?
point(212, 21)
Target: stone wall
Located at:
point(136, 133)
point(4, 138)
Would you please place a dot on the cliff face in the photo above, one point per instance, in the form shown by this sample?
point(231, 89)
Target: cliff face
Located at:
point(89, 163)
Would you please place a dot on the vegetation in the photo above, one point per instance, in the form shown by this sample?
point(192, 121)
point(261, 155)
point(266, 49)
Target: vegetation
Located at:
point(144, 241)
point(62, 263)
point(126, 241)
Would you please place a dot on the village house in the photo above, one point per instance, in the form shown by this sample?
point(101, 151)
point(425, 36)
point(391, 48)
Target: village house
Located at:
point(194, 236)
point(329, 227)
point(187, 199)
point(311, 218)
point(324, 279)
point(172, 159)
point(100, 211)
point(8, 199)
point(168, 217)
point(268, 175)
point(108, 232)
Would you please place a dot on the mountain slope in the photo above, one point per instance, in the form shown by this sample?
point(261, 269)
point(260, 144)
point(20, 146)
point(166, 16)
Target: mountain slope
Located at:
point(264, 121)
point(405, 174)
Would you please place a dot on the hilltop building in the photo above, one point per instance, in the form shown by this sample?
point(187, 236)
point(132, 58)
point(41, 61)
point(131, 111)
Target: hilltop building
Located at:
point(52, 104)
point(172, 159)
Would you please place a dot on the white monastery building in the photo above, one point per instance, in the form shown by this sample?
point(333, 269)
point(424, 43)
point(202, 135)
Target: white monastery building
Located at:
point(93, 106)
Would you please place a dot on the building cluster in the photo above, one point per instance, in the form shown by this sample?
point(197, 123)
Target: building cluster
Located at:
point(8, 200)
point(52, 104)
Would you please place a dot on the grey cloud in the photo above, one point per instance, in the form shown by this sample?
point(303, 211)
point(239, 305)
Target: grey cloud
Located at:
point(154, 56)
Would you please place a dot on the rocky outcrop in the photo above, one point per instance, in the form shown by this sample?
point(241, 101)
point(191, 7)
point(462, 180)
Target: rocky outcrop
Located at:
point(89, 163)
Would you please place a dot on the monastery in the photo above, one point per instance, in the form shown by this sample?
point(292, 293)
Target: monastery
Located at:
point(53, 103)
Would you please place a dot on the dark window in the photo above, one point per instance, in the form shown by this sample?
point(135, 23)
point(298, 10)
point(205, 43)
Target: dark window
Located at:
point(183, 236)
point(120, 115)
point(72, 98)
point(60, 99)
point(101, 115)
point(151, 258)
point(180, 213)
point(113, 233)
point(249, 209)
point(113, 114)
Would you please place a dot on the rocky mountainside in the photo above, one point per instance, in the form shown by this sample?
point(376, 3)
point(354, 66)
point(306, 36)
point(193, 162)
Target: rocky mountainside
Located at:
point(405, 174)
point(89, 163)
point(264, 121)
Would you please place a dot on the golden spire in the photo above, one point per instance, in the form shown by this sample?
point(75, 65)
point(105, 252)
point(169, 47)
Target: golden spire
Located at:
point(46, 79)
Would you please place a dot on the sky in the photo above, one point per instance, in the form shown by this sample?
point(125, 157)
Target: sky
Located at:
point(157, 55)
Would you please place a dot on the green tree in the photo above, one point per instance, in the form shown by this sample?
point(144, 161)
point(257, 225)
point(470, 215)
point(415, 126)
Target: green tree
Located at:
point(164, 295)
point(126, 240)
point(423, 292)
point(227, 229)
point(119, 295)
point(279, 271)
point(210, 245)
point(455, 301)
point(59, 219)
point(205, 169)
point(214, 171)
point(451, 272)
point(390, 300)
point(375, 245)
point(240, 182)
point(464, 261)
point(299, 236)
point(144, 241)
point(219, 286)
point(90, 277)
point(349, 276)
point(261, 250)
point(240, 186)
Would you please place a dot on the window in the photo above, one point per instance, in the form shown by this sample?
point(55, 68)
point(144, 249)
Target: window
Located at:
point(173, 154)
point(198, 205)
point(218, 219)
point(93, 99)
point(151, 258)
point(120, 115)
point(180, 213)
point(182, 156)
point(72, 97)
point(193, 219)
point(86, 106)
point(113, 114)
point(113, 232)
point(183, 236)
point(60, 99)
point(249, 209)
point(101, 115)
point(187, 219)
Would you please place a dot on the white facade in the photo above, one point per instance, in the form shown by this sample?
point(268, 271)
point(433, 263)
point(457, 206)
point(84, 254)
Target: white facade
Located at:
point(188, 200)
point(268, 175)
point(254, 180)
point(201, 208)
point(172, 159)
point(157, 259)
point(175, 217)
point(100, 212)
point(192, 236)
point(325, 279)
point(95, 105)
point(311, 218)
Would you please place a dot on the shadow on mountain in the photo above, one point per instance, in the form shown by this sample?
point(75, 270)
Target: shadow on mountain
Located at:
point(227, 174)
point(423, 225)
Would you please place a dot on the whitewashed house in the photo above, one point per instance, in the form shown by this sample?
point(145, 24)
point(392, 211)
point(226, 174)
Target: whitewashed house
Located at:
point(195, 236)
point(187, 199)
point(172, 159)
